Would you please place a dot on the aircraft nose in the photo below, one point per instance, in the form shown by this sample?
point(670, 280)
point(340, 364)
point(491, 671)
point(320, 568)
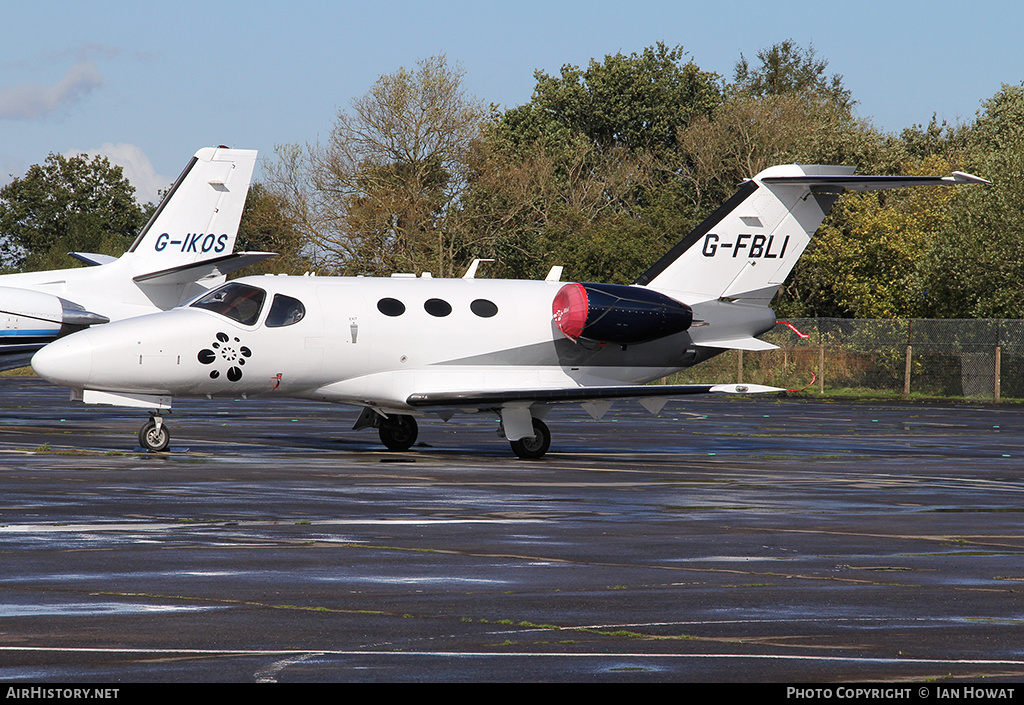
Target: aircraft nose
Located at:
point(66, 362)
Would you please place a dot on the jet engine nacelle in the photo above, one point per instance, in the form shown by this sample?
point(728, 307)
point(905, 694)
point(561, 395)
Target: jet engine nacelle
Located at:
point(40, 315)
point(616, 313)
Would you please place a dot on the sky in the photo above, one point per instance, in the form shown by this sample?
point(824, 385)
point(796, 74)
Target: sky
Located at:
point(148, 83)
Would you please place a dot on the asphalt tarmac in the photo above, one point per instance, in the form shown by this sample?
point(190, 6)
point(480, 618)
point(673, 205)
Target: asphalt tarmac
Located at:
point(758, 539)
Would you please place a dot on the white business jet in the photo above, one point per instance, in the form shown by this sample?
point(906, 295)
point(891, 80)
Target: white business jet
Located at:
point(408, 346)
point(186, 248)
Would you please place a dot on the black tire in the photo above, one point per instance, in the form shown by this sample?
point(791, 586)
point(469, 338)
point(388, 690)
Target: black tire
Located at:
point(152, 439)
point(535, 447)
point(398, 432)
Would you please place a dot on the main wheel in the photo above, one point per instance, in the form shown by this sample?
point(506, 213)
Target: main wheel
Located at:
point(398, 432)
point(535, 446)
point(153, 438)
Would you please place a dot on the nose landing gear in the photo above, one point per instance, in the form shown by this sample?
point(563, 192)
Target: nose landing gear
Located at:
point(154, 435)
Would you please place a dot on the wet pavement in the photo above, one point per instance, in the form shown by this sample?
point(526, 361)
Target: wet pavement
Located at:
point(727, 539)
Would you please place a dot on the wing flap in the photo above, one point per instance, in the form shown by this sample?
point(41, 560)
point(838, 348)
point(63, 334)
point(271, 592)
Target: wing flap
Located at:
point(489, 399)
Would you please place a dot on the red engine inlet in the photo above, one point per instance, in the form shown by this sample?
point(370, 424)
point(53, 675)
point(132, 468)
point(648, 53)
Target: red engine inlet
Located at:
point(569, 309)
point(615, 313)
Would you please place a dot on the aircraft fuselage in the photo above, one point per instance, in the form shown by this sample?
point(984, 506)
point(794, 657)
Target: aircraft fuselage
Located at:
point(368, 341)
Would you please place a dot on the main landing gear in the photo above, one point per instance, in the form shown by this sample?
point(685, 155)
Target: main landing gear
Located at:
point(398, 432)
point(534, 447)
point(154, 435)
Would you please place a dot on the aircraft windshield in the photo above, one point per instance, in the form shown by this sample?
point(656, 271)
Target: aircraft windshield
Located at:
point(239, 302)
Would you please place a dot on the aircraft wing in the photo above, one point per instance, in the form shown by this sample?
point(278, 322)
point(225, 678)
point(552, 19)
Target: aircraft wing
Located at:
point(15, 356)
point(207, 268)
point(486, 399)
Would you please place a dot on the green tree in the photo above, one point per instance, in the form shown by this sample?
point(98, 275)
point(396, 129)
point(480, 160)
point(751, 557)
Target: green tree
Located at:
point(786, 67)
point(936, 139)
point(266, 227)
point(572, 205)
point(976, 265)
point(575, 176)
point(67, 204)
point(637, 102)
point(866, 258)
point(375, 197)
point(788, 110)
point(750, 133)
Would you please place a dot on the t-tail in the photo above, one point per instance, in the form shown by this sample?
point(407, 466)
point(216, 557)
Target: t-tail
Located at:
point(192, 233)
point(730, 266)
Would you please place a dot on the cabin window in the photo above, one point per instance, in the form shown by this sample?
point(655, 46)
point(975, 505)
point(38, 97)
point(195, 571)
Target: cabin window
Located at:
point(437, 307)
point(285, 311)
point(391, 307)
point(484, 308)
point(239, 302)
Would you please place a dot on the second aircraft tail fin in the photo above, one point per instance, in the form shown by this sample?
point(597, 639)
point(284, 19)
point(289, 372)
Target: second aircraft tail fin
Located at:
point(198, 218)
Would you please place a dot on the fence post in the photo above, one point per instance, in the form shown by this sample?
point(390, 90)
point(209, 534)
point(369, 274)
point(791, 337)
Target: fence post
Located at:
point(821, 369)
point(906, 372)
point(998, 369)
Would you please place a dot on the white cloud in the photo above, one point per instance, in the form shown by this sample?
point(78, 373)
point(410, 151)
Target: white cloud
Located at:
point(136, 166)
point(29, 101)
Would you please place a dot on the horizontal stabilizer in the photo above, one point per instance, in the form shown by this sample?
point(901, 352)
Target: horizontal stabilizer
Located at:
point(752, 344)
point(873, 183)
point(92, 259)
point(207, 268)
point(488, 399)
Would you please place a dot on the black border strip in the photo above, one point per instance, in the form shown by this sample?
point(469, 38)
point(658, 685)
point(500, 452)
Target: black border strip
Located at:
point(25, 344)
point(163, 204)
point(201, 264)
point(555, 395)
point(847, 181)
point(695, 236)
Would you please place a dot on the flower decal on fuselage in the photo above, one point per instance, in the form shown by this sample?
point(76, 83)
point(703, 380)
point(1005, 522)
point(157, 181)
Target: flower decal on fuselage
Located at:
point(230, 351)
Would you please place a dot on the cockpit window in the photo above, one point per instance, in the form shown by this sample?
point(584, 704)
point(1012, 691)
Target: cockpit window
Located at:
point(285, 311)
point(239, 302)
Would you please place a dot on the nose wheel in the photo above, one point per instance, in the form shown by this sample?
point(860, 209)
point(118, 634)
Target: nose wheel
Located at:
point(154, 435)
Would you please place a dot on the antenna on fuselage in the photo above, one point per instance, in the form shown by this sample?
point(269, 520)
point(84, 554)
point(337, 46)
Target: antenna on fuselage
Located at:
point(471, 272)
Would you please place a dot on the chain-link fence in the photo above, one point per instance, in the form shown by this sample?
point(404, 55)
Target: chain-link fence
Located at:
point(975, 359)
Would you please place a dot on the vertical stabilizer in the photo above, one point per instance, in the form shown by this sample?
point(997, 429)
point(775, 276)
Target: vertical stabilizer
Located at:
point(745, 250)
point(198, 218)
